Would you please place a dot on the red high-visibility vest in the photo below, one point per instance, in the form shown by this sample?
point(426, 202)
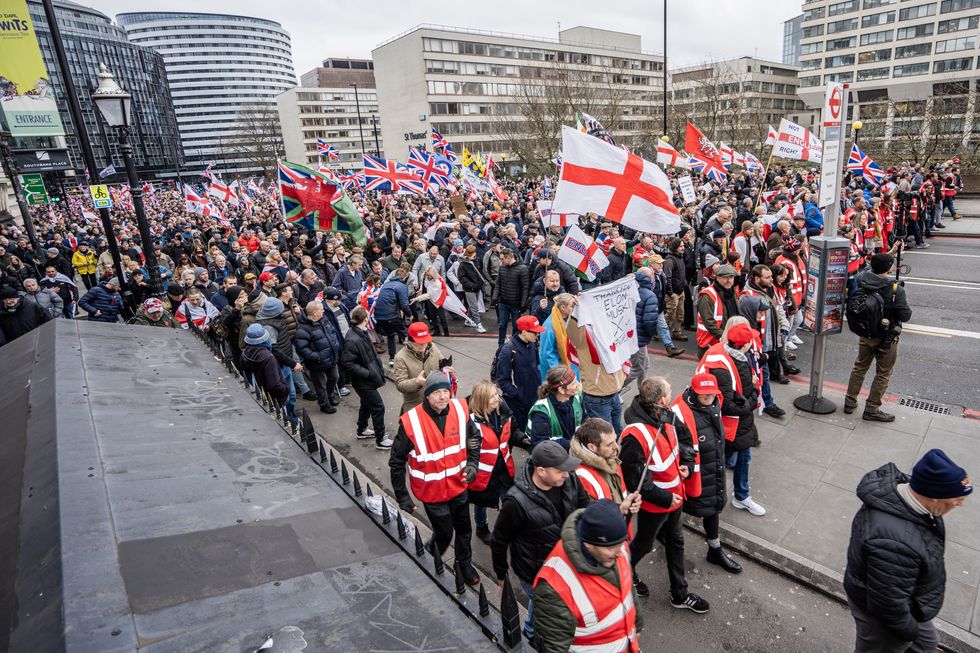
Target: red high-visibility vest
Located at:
point(605, 616)
point(705, 339)
point(664, 467)
point(692, 484)
point(491, 448)
point(437, 458)
point(595, 485)
point(797, 277)
point(717, 358)
point(854, 259)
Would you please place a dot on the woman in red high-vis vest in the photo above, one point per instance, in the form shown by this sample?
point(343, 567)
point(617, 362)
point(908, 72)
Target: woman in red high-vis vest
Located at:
point(495, 471)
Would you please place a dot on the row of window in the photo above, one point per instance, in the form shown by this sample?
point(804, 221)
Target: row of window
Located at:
point(190, 26)
point(904, 70)
point(536, 54)
point(918, 11)
point(903, 52)
point(470, 68)
point(171, 52)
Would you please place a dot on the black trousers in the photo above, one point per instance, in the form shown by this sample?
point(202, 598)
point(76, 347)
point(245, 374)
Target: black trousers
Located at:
point(690, 313)
point(648, 525)
point(373, 406)
point(324, 383)
point(437, 319)
point(449, 518)
point(393, 328)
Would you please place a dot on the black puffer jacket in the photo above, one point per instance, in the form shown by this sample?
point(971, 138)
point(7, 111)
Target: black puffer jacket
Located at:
point(528, 524)
point(895, 567)
point(711, 445)
point(317, 343)
point(513, 285)
point(469, 276)
point(360, 361)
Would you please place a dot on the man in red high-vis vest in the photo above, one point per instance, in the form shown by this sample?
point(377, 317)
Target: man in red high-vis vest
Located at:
point(797, 285)
point(595, 445)
point(658, 442)
point(441, 446)
point(715, 305)
point(583, 595)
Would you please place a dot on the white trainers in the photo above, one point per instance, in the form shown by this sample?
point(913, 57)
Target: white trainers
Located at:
point(750, 505)
point(385, 444)
point(797, 340)
point(480, 328)
point(365, 434)
point(790, 345)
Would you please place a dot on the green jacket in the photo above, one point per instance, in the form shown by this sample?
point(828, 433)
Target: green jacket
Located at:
point(554, 622)
point(545, 407)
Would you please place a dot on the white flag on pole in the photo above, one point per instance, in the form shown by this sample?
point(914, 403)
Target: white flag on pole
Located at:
point(797, 142)
point(582, 253)
point(550, 219)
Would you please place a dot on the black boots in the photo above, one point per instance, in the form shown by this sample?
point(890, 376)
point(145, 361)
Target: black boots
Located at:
point(717, 556)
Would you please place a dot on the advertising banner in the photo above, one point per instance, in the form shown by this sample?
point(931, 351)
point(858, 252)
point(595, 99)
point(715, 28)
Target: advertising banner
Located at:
point(26, 95)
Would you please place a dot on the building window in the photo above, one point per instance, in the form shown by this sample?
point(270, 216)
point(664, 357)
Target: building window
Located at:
point(953, 65)
point(949, 6)
point(911, 69)
point(918, 50)
point(839, 8)
point(955, 45)
point(811, 64)
point(873, 56)
point(919, 11)
point(874, 4)
point(813, 30)
point(813, 14)
point(872, 73)
point(839, 60)
point(811, 48)
point(808, 82)
point(958, 24)
point(874, 20)
point(845, 78)
point(842, 44)
point(916, 32)
point(842, 25)
point(873, 38)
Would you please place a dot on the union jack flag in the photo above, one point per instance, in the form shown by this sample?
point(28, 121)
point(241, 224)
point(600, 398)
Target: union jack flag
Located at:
point(352, 180)
point(438, 142)
point(434, 171)
point(707, 168)
point(366, 297)
point(450, 154)
point(385, 174)
point(325, 149)
point(858, 161)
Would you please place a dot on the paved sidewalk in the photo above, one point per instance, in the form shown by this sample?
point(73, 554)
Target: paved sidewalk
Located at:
point(969, 225)
point(804, 473)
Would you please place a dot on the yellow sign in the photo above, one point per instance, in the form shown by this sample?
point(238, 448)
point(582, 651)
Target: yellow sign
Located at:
point(27, 95)
point(100, 196)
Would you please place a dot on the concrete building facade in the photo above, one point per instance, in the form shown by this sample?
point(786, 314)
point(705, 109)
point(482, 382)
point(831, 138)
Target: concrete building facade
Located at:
point(735, 100)
point(331, 114)
point(339, 72)
point(465, 83)
point(912, 68)
point(218, 65)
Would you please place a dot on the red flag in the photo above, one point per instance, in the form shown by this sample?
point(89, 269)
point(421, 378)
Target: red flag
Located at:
point(697, 144)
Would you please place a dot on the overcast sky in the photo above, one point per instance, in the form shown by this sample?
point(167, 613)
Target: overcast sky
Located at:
point(698, 30)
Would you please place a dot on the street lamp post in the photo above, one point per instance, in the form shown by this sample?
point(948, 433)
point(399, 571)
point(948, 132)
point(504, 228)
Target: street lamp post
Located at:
point(360, 129)
point(115, 105)
point(374, 128)
point(857, 130)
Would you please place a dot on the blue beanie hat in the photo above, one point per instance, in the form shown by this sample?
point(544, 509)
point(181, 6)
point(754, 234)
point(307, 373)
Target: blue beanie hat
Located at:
point(937, 477)
point(271, 307)
point(256, 335)
point(602, 524)
point(436, 381)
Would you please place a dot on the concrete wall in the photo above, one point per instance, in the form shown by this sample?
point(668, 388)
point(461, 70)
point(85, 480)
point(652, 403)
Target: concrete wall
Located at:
point(399, 72)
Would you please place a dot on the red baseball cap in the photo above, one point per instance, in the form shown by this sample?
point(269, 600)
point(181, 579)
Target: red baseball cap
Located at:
point(741, 333)
point(529, 323)
point(705, 384)
point(419, 332)
point(265, 276)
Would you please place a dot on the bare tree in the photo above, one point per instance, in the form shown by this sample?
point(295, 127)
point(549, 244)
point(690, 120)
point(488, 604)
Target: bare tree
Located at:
point(257, 142)
point(547, 98)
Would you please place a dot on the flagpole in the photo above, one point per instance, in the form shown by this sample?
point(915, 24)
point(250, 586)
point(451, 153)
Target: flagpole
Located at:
point(765, 175)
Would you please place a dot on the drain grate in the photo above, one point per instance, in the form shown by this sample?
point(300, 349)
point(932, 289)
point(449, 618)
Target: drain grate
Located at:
point(928, 406)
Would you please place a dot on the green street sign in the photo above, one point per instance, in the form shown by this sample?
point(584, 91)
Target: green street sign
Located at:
point(34, 191)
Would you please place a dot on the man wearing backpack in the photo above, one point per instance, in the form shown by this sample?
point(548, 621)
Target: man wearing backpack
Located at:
point(875, 313)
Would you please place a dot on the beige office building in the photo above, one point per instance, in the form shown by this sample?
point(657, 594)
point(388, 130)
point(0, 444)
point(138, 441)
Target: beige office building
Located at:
point(735, 100)
point(331, 114)
point(464, 83)
point(912, 67)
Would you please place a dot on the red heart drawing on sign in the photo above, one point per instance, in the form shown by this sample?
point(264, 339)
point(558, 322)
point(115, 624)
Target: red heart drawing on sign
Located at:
point(629, 334)
point(613, 346)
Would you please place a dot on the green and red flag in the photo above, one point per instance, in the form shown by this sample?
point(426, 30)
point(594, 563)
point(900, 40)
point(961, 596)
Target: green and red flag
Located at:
point(311, 199)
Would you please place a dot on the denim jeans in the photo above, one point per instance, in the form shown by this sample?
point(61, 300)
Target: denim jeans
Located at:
point(529, 621)
point(287, 376)
point(949, 204)
point(664, 331)
point(506, 315)
point(794, 323)
point(609, 408)
point(739, 461)
point(767, 399)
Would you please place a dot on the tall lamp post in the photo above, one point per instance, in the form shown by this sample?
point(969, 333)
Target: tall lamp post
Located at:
point(115, 105)
point(374, 128)
point(360, 128)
